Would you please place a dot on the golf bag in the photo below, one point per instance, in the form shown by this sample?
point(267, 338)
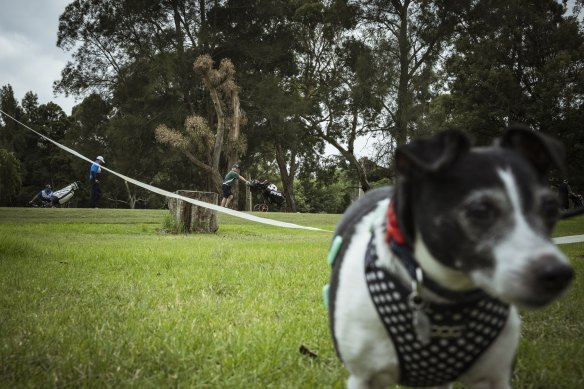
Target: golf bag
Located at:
point(61, 196)
point(267, 192)
point(577, 200)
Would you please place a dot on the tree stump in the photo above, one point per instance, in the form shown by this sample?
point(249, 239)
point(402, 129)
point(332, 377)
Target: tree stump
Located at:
point(191, 218)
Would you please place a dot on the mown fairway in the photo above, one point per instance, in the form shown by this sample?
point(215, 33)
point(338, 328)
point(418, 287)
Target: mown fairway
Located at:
point(101, 298)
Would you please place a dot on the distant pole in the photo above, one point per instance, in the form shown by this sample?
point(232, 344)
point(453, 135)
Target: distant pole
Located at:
point(248, 198)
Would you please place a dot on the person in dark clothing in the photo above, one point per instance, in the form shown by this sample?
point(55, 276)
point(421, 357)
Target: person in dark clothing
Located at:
point(95, 190)
point(230, 179)
point(46, 196)
point(564, 193)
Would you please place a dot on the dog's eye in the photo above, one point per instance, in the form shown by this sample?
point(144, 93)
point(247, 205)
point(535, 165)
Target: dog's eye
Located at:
point(481, 212)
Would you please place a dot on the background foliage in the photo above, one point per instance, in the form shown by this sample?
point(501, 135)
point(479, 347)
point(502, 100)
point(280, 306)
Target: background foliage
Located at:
point(311, 74)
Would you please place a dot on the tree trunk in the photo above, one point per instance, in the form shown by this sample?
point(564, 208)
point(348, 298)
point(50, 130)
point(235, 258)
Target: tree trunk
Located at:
point(232, 151)
point(248, 199)
point(203, 31)
point(203, 64)
point(361, 173)
point(191, 218)
point(403, 100)
point(287, 177)
point(212, 174)
point(132, 198)
point(182, 67)
point(219, 82)
point(220, 127)
point(234, 131)
point(350, 157)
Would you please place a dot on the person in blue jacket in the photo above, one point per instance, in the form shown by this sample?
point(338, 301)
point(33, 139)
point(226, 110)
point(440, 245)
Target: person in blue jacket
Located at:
point(95, 190)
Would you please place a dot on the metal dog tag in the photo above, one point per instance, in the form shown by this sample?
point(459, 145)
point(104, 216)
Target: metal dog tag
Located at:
point(422, 326)
point(420, 319)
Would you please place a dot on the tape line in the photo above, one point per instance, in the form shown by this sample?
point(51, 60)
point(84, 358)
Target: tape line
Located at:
point(163, 192)
point(569, 239)
point(242, 215)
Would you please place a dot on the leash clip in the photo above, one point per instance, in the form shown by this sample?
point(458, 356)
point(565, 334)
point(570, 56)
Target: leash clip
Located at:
point(417, 282)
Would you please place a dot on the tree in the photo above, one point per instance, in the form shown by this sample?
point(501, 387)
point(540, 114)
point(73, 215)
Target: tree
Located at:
point(288, 149)
point(107, 36)
point(137, 57)
point(41, 162)
point(328, 189)
point(346, 103)
point(88, 135)
point(10, 129)
point(518, 61)
point(224, 94)
point(198, 142)
point(411, 35)
point(51, 163)
point(10, 181)
point(259, 37)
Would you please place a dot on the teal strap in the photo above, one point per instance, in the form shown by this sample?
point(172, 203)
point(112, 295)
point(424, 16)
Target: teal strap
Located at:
point(332, 255)
point(335, 247)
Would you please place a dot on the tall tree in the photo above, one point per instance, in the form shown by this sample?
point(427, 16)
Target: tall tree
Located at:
point(41, 162)
point(88, 136)
point(137, 56)
point(10, 181)
point(10, 130)
point(338, 78)
point(198, 142)
point(259, 36)
point(106, 36)
point(518, 61)
point(413, 35)
point(51, 162)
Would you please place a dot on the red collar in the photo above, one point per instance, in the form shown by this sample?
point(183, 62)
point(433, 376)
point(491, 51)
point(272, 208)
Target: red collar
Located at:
point(393, 233)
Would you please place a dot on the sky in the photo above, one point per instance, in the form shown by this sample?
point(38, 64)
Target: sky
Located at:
point(31, 61)
point(29, 57)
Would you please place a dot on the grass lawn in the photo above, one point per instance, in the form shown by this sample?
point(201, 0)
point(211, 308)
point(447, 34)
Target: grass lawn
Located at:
point(101, 298)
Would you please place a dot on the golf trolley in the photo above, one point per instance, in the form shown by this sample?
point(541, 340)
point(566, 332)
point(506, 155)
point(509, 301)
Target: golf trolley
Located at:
point(577, 200)
point(270, 198)
point(59, 197)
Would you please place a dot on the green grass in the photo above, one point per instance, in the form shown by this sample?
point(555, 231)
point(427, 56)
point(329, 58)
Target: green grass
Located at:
point(101, 298)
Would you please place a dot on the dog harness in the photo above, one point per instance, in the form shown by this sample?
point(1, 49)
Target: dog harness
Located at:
point(435, 343)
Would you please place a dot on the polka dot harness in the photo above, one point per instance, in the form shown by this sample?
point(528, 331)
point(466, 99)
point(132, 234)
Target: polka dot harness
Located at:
point(435, 343)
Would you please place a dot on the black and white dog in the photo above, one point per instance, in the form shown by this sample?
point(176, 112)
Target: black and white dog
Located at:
point(427, 276)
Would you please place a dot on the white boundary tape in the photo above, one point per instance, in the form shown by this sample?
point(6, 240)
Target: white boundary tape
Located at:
point(242, 215)
point(569, 239)
point(163, 192)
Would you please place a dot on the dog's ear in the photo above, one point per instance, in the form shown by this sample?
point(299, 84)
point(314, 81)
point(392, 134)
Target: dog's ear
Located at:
point(420, 157)
point(431, 154)
point(542, 151)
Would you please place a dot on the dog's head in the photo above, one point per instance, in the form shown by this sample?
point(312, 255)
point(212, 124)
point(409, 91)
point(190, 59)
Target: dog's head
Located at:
point(486, 212)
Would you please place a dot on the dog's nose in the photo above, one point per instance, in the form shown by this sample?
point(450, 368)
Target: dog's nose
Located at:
point(553, 277)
